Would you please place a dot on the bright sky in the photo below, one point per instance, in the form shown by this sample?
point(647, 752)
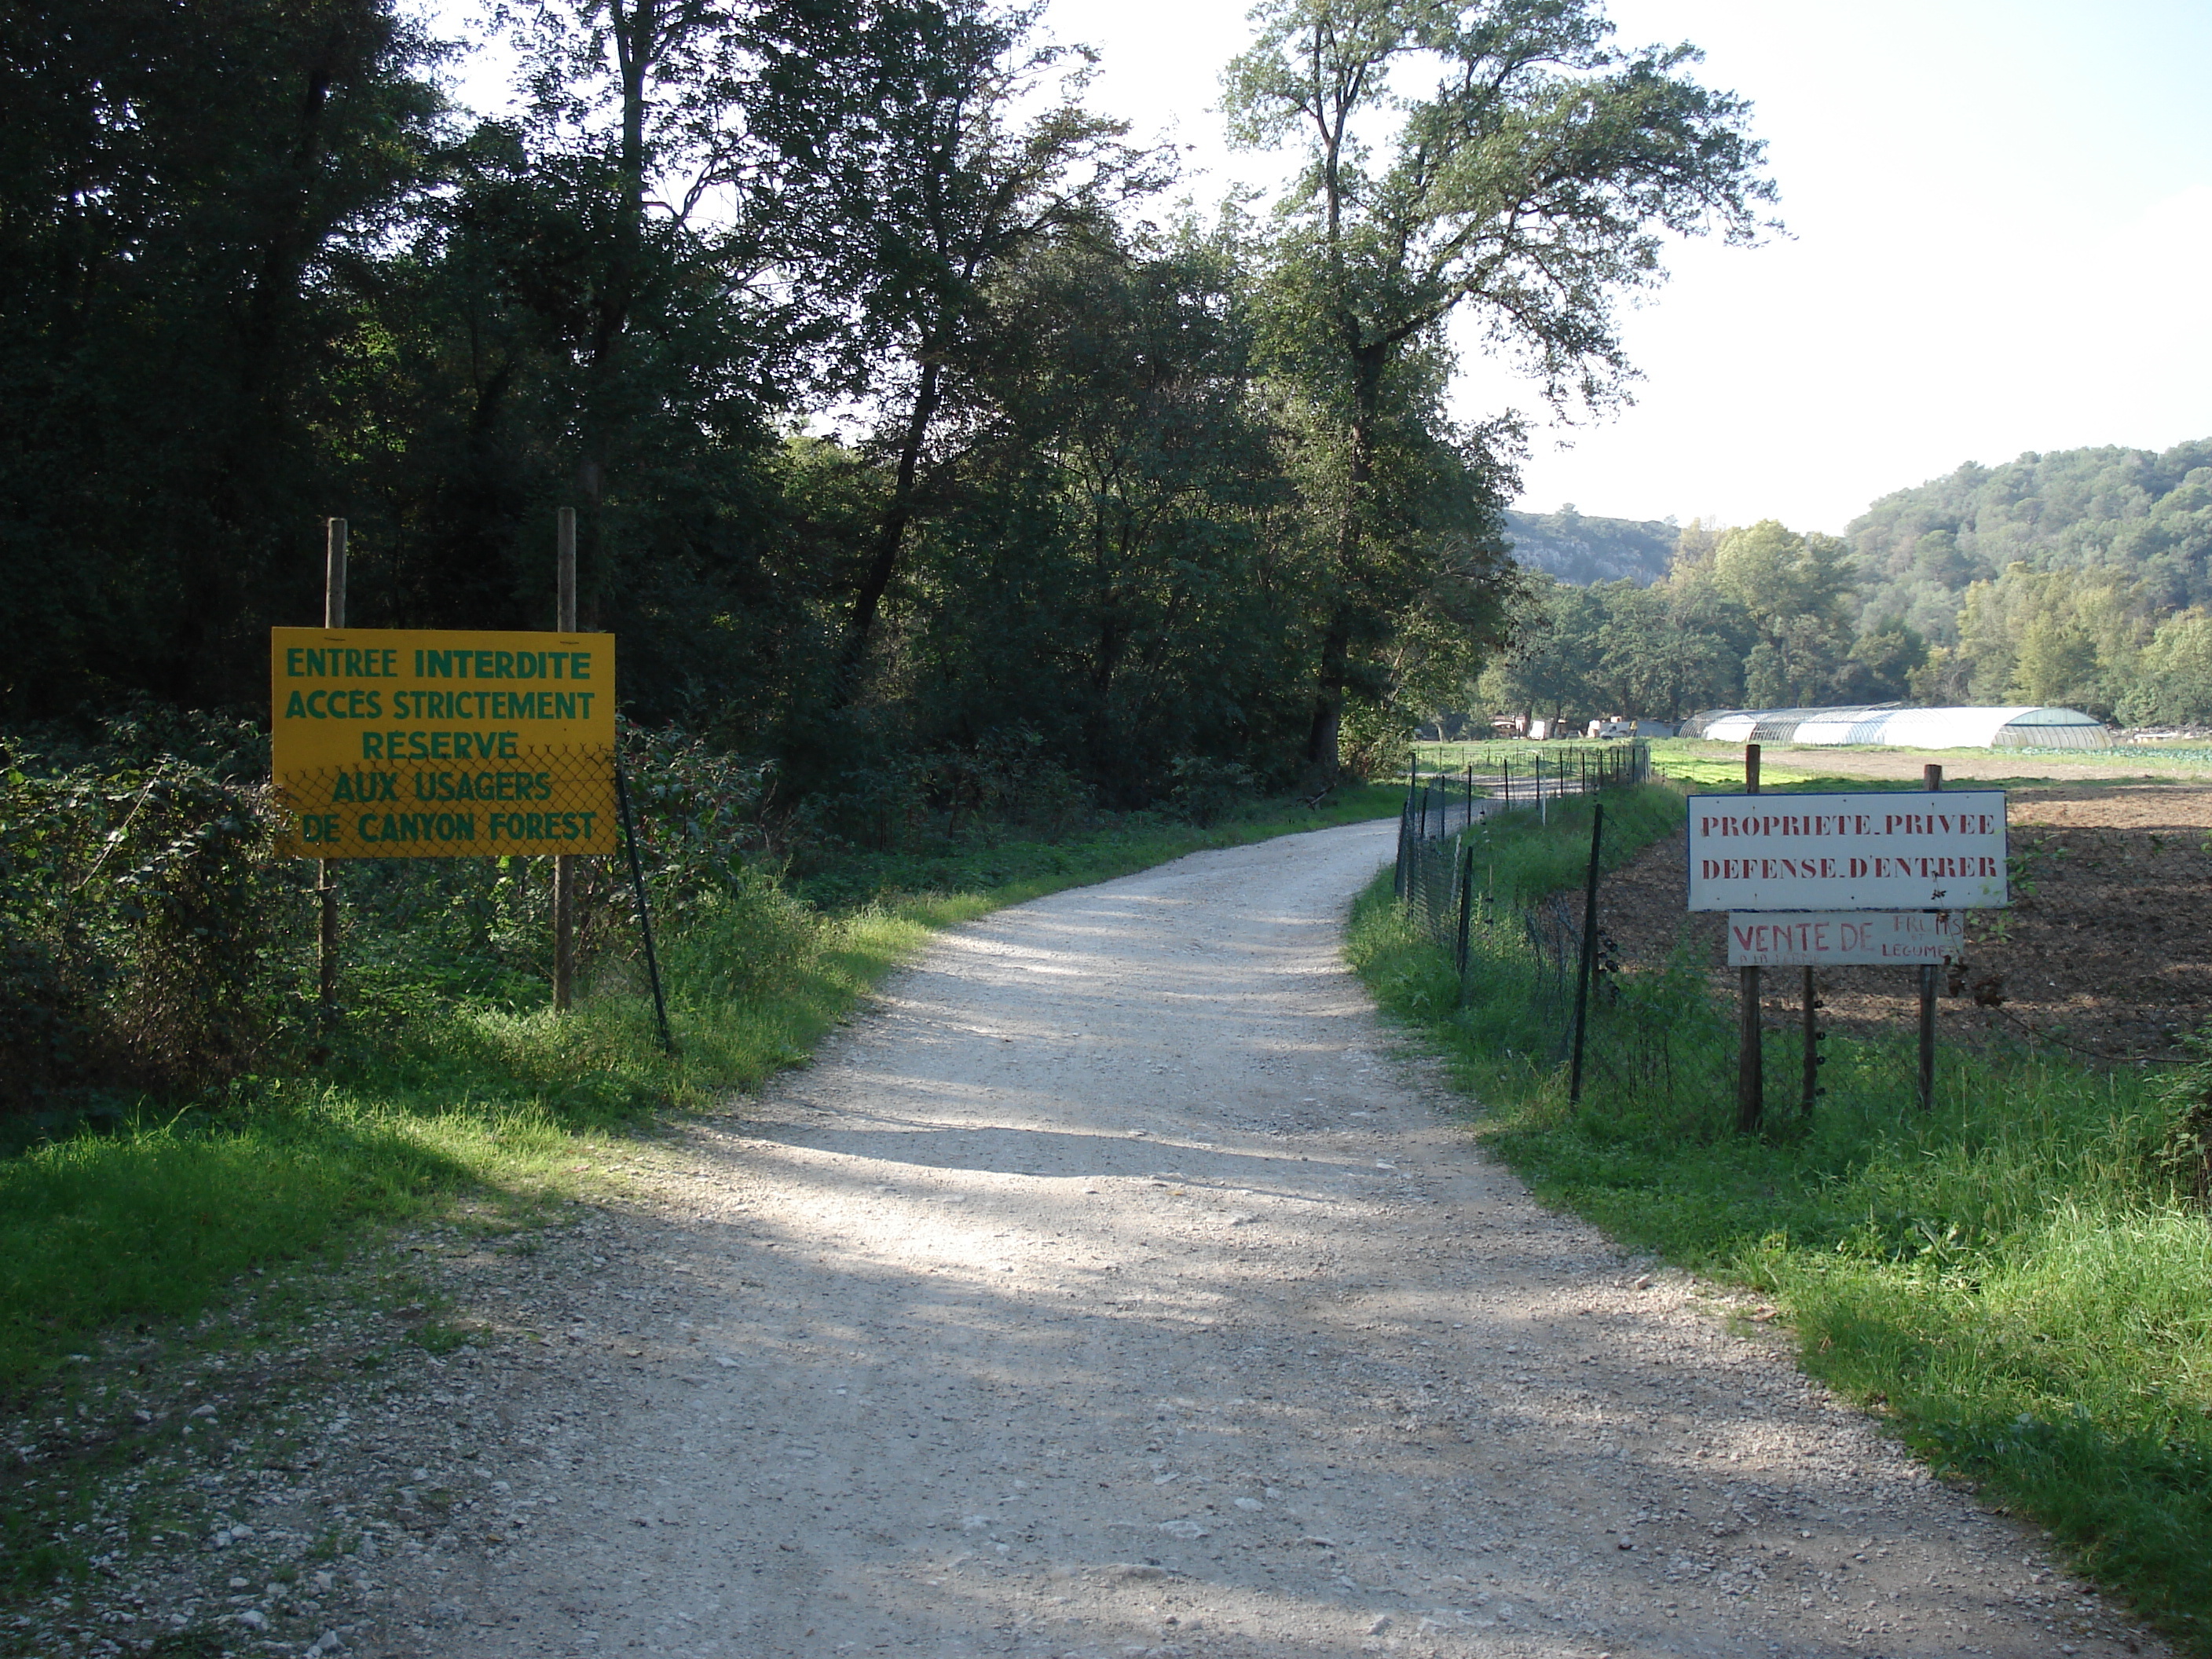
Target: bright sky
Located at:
point(2000, 218)
point(2001, 239)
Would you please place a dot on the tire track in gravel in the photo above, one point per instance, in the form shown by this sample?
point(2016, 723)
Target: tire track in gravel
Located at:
point(1112, 1289)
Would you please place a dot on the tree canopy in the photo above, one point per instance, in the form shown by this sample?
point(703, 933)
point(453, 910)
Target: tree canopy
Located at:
point(1531, 187)
point(900, 410)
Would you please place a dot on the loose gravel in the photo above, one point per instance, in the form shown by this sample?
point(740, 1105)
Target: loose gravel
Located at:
point(1117, 1288)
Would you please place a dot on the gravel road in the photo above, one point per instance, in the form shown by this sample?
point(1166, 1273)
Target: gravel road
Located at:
point(1114, 1289)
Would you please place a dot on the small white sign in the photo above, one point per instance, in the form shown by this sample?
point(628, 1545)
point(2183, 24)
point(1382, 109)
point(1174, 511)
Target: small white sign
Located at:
point(1840, 938)
point(1872, 852)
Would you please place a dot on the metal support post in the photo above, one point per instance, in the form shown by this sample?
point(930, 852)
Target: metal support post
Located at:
point(1750, 1071)
point(1590, 953)
point(1466, 912)
point(326, 886)
point(564, 865)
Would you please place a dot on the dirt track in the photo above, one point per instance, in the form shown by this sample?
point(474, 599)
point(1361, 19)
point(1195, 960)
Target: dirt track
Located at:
point(1114, 1289)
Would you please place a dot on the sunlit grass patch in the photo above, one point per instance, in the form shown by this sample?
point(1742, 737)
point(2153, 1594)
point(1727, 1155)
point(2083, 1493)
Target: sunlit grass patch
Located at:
point(2018, 1278)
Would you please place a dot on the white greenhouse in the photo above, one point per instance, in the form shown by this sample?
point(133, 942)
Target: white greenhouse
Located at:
point(1890, 725)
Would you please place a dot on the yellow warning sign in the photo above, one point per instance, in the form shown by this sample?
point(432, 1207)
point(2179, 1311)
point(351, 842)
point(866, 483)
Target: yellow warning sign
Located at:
point(407, 742)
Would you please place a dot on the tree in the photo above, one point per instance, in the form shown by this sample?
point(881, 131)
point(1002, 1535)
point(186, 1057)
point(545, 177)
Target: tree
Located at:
point(2065, 636)
point(1798, 591)
point(1107, 575)
point(1532, 186)
point(642, 221)
point(924, 204)
point(2173, 681)
point(1668, 651)
point(1885, 660)
point(187, 195)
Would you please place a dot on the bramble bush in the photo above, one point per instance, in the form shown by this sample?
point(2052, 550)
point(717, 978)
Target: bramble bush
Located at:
point(152, 944)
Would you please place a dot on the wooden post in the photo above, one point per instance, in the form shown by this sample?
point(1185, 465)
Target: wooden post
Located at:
point(564, 865)
point(1812, 1036)
point(334, 574)
point(1750, 1073)
point(326, 889)
point(1931, 778)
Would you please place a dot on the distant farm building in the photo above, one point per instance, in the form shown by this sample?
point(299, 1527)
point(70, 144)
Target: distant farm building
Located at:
point(1889, 725)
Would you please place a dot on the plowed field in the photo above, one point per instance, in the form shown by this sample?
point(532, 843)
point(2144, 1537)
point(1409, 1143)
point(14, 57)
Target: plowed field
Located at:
point(2107, 949)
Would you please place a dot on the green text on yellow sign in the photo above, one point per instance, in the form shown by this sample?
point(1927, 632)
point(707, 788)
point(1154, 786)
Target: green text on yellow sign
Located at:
point(408, 742)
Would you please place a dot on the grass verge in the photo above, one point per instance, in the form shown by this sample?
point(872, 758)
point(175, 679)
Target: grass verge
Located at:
point(155, 1218)
point(2016, 1280)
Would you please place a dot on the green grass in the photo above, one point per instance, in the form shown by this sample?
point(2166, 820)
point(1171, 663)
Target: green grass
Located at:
point(157, 1217)
point(1518, 857)
point(2016, 1280)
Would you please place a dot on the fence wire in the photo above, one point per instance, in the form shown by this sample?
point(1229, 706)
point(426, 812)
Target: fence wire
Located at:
point(1435, 873)
point(1652, 1034)
point(527, 803)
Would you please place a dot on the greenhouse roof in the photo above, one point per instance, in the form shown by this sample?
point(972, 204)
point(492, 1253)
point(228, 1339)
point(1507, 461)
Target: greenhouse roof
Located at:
point(2022, 726)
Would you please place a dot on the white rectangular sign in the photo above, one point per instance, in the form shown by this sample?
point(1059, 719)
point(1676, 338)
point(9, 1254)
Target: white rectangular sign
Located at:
point(1837, 938)
point(1873, 852)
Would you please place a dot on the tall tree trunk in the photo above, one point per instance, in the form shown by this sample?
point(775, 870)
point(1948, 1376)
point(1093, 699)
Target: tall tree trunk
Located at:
point(889, 539)
point(1323, 754)
point(1324, 757)
point(217, 568)
point(636, 31)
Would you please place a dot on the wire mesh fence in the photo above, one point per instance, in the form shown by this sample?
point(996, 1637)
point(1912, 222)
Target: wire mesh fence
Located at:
point(162, 918)
point(1449, 801)
point(530, 802)
point(1518, 966)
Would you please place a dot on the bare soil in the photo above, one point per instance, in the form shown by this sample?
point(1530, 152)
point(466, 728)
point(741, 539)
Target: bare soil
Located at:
point(2106, 950)
point(1961, 767)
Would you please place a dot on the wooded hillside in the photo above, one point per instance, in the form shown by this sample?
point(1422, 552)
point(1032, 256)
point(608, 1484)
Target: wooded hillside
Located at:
point(2081, 578)
point(2130, 515)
